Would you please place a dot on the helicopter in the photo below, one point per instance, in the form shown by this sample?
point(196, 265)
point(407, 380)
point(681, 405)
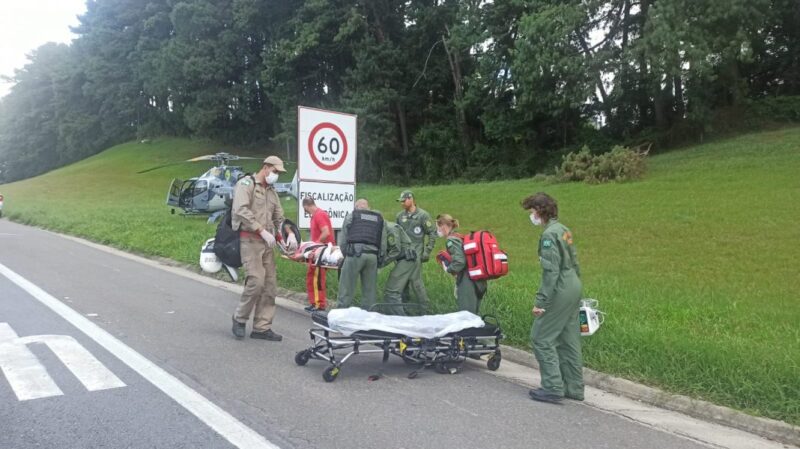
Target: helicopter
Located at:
point(212, 192)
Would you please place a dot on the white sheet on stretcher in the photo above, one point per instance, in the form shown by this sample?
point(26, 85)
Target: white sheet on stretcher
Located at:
point(348, 321)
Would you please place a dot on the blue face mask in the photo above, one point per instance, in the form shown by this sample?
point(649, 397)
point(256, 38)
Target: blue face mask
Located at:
point(271, 178)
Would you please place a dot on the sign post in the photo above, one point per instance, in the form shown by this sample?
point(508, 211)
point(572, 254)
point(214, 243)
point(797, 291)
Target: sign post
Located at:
point(326, 162)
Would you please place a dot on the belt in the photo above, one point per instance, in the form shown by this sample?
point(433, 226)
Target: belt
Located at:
point(249, 235)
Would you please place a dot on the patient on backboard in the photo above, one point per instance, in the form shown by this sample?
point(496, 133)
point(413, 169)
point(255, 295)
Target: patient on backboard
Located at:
point(321, 254)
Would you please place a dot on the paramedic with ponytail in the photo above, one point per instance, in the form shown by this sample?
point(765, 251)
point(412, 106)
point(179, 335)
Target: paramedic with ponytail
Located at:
point(555, 333)
point(468, 292)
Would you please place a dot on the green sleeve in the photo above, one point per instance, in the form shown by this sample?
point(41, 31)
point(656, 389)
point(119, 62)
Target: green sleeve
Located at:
point(550, 259)
point(573, 254)
point(456, 250)
point(392, 245)
point(388, 253)
point(429, 229)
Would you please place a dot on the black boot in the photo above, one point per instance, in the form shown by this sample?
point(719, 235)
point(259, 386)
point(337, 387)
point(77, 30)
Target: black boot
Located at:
point(543, 396)
point(238, 329)
point(267, 335)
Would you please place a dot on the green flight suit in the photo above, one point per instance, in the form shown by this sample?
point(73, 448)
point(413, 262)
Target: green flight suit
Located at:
point(469, 293)
point(363, 264)
point(556, 334)
point(399, 250)
point(418, 225)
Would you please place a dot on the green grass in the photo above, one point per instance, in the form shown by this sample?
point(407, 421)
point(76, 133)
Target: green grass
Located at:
point(696, 266)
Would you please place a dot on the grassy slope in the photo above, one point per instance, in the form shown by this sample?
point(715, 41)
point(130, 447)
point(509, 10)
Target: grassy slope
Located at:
point(696, 266)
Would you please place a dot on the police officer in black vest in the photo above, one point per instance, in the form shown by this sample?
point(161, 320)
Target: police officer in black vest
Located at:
point(362, 240)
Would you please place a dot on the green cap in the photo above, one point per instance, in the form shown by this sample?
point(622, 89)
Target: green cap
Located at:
point(405, 194)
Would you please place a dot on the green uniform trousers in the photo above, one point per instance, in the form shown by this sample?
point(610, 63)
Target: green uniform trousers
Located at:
point(415, 285)
point(398, 280)
point(469, 293)
point(556, 340)
point(365, 267)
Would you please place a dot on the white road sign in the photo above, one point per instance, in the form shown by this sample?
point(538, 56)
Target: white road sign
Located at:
point(336, 199)
point(326, 145)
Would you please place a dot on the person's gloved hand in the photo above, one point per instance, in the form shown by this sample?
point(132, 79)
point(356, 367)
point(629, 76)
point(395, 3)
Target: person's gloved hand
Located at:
point(426, 256)
point(444, 266)
point(291, 242)
point(268, 237)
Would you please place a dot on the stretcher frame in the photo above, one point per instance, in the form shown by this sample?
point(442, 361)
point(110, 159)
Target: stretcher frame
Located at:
point(444, 354)
point(325, 266)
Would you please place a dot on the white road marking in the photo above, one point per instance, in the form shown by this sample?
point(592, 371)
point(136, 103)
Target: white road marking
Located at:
point(89, 371)
point(26, 375)
point(216, 418)
point(29, 378)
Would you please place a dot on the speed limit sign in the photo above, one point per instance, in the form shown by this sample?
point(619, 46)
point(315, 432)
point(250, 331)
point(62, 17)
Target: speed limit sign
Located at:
point(326, 145)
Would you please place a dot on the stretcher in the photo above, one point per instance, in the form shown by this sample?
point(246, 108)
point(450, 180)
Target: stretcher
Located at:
point(327, 256)
point(441, 342)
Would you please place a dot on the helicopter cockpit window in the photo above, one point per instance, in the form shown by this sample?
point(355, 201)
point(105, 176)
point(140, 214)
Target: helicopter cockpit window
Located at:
point(200, 186)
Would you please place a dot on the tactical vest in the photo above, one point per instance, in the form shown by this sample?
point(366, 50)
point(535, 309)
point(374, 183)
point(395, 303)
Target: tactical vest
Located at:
point(366, 228)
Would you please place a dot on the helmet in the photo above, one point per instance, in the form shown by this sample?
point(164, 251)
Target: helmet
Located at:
point(209, 261)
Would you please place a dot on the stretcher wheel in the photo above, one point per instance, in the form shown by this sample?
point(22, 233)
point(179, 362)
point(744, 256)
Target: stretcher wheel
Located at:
point(301, 358)
point(330, 373)
point(411, 361)
point(493, 363)
point(446, 368)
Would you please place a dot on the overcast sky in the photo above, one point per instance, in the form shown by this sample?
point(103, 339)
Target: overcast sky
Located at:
point(27, 24)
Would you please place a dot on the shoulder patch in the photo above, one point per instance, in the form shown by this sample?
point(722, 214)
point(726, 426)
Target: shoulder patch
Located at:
point(567, 237)
point(428, 224)
point(246, 181)
point(547, 243)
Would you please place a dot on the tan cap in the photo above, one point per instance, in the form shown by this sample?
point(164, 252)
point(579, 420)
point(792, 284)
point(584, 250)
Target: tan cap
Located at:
point(276, 162)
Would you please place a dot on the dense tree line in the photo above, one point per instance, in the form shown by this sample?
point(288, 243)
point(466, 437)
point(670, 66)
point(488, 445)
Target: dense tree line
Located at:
point(444, 89)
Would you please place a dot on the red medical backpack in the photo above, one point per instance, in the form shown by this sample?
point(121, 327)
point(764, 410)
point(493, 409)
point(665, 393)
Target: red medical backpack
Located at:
point(485, 260)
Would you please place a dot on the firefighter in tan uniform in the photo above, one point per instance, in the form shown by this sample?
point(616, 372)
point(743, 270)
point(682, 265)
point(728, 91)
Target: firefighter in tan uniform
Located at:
point(257, 215)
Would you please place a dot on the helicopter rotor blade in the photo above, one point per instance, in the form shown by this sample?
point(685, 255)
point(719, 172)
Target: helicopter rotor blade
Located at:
point(220, 157)
point(207, 157)
point(159, 166)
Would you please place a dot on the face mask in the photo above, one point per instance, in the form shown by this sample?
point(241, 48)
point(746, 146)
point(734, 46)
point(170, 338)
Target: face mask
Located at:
point(440, 233)
point(535, 219)
point(272, 177)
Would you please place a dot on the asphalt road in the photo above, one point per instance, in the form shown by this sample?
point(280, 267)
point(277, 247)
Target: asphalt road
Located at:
point(182, 327)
